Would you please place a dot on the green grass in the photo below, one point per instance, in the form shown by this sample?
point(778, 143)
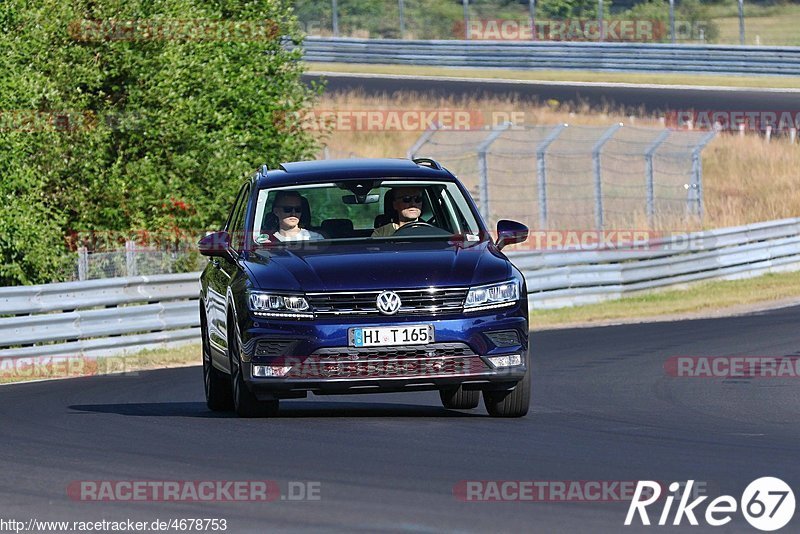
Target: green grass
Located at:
point(565, 75)
point(698, 299)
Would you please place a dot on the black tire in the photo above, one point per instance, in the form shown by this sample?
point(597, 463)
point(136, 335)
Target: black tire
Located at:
point(217, 384)
point(245, 403)
point(459, 399)
point(513, 403)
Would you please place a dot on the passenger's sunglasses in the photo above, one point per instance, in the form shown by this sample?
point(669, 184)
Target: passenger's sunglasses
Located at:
point(408, 199)
point(292, 209)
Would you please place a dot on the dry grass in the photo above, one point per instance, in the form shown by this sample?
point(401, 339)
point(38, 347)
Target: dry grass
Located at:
point(749, 180)
point(768, 25)
point(745, 179)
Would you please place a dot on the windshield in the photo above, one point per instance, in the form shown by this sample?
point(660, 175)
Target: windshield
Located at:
point(363, 210)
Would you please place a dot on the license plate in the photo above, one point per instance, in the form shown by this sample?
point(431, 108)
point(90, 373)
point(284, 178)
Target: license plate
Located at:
point(418, 334)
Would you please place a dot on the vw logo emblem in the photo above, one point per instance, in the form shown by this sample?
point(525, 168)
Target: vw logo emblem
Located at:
point(388, 303)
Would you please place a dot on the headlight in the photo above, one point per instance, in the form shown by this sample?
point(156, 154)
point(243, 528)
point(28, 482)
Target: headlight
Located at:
point(492, 296)
point(272, 305)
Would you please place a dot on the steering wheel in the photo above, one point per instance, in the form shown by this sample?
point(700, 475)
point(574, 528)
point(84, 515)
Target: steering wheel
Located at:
point(409, 228)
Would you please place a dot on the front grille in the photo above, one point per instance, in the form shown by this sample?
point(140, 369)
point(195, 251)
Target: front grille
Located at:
point(437, 359)
point(429, 301)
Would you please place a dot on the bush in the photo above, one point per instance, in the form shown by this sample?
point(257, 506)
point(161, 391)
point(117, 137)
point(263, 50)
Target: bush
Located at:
point(103, 131)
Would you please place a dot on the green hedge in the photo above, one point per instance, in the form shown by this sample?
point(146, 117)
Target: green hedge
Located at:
point(105, 127)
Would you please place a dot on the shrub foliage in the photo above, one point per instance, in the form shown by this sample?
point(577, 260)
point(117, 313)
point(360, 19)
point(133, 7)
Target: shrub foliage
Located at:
point(106, 126)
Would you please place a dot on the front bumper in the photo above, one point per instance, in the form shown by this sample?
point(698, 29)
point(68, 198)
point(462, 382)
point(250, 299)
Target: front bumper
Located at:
point(321, 361)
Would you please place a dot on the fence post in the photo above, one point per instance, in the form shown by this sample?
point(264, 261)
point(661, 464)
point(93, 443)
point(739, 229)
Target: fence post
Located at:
point(335, 18)
point(532, 13)
point(649, 181)
point(541, 171)
point(598, 179)
point(483, 168)
point(402, 12)
point(672, 21)
point(600, 20)
point(695, 194)
point(741, 22)
point(83, 263)
point(422, 141)
point(466, 19)
point(130, 258)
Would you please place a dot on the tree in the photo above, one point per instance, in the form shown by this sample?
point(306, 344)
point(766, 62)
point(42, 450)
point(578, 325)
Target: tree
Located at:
point(120, 115)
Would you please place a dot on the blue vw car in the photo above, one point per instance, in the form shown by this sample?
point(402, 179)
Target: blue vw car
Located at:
point(362, 276)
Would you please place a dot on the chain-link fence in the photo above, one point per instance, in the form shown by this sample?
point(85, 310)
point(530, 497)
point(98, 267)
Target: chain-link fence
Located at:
point(132, 261)
point(751, 22)
point(568, 177)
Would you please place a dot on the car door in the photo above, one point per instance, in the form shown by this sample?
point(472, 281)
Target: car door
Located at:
point(219, 276)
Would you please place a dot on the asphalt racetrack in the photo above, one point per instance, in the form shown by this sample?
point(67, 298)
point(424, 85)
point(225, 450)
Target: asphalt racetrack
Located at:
point(604, 409)
point(636, 99)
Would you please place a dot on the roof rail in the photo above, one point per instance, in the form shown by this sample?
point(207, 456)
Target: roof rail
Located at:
point(263, 170)
point(428, 162)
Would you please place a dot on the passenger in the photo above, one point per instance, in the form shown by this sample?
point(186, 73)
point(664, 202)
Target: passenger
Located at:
point(407, 205)
point(292, 213)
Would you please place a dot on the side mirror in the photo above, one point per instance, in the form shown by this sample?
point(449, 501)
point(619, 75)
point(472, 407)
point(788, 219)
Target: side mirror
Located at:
point(215, 244)
point(510, 233)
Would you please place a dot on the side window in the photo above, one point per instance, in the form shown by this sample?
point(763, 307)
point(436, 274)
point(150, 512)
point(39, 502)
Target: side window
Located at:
point(234, 209)
point(236, 223)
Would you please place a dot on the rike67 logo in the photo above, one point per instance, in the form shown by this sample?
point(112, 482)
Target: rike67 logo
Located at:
point(767, 504)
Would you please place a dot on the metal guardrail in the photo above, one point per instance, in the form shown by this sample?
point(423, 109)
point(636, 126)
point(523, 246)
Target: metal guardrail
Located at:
point(121, 315)
point(632, 57)
point(99, 317)
point(559, 279)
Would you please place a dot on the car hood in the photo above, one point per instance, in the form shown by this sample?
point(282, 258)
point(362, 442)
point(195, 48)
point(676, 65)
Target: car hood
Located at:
point(315, 267)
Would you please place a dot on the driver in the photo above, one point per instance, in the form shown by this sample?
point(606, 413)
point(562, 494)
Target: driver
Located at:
point(407, 204)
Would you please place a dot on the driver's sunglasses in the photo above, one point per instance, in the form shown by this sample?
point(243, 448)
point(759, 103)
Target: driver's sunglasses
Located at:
point(408, 199)
point(292, 209)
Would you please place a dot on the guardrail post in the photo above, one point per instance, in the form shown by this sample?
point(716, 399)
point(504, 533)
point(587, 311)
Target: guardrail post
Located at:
point(695, 195)
point(541, 171)
point(83, 263)
point(422, 141)
point(130, 258)
point(648, 169)
point(483, 168)
point(598, 179)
